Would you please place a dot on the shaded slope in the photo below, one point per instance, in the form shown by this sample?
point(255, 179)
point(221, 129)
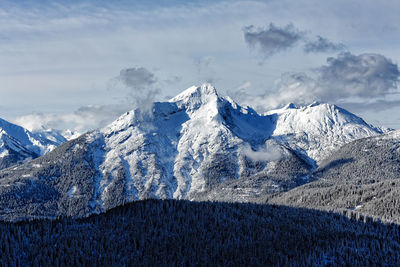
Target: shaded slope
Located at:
point(284, 174)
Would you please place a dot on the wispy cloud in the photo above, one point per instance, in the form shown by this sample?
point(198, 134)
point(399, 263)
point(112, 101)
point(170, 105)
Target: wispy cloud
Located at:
point(84, 119)
point(140, 83)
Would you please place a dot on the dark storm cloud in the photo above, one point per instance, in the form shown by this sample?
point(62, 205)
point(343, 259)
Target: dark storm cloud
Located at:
point(322, 44)
point(272, 39)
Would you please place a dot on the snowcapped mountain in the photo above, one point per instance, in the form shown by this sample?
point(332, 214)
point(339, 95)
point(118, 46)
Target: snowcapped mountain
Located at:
point(318, 129)
point(198, 145)
point(18, 144)
point(188, 144)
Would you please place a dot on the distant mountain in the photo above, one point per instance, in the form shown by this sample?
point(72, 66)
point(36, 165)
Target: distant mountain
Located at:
point(198, 145)
point(363, 175)
point(17, 144)
point(57, 136)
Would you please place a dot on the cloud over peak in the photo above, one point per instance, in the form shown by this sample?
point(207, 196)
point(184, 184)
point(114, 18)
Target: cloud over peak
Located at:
point(141, 90)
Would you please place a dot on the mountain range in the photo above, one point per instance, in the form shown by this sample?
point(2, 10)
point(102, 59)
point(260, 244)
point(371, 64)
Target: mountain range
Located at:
point(200, 146)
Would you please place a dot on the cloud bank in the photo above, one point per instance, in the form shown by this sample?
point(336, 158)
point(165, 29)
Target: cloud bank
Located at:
point(365, 76)
point(344, 78)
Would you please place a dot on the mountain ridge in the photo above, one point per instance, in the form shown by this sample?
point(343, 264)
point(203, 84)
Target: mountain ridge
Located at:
point(197, 145)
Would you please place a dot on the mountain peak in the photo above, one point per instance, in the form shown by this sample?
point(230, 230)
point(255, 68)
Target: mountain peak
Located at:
point(204, 89)
point(195, 96)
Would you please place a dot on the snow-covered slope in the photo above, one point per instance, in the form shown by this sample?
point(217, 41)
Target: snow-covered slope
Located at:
point(198, 145)
point(195, 139)
point(18, 144)
point(318, 129)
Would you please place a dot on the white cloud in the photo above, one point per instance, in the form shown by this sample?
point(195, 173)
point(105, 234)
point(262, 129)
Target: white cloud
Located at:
point(82, 120)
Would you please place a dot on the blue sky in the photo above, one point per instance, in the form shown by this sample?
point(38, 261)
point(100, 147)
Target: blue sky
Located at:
point(61, 61)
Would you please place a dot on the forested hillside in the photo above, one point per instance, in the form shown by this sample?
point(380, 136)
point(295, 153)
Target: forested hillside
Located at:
point(181, 233)
point(362, 175)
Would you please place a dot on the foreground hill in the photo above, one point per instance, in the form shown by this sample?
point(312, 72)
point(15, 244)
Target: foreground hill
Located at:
point(363, 175)
point(187, 148)
point(183, 233)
